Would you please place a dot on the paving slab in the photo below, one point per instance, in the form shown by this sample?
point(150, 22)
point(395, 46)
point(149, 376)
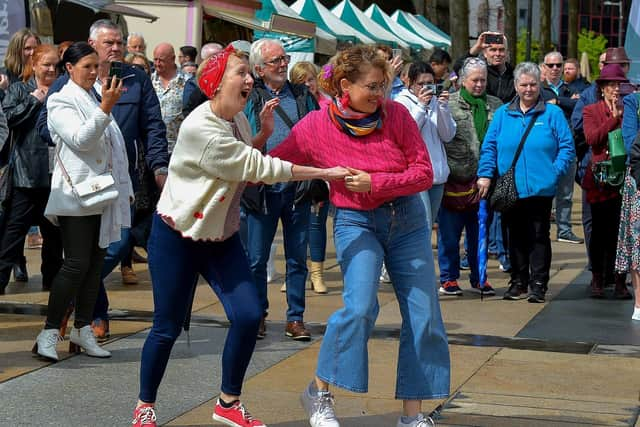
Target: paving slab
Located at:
point(284, 382)
point(573, 314)
point(578, 389)
point(103, 392)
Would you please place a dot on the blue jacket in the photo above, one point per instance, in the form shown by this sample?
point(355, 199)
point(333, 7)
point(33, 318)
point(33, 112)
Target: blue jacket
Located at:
point(138, 115)
point(630, 120)
point(547, 152)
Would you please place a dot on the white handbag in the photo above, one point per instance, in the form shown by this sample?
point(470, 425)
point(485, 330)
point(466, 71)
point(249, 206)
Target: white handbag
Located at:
point(96, 192)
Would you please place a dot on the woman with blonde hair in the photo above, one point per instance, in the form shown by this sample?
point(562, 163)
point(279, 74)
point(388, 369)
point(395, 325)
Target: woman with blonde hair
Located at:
point(138, 59)
point(306, 73)
point(19, 50)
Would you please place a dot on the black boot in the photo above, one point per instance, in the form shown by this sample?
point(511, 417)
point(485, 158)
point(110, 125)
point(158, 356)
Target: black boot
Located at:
point(4, 280)
point(20, 271)
point(538, 290)
point(597, 285)
point(621, 291)
point(516, 291)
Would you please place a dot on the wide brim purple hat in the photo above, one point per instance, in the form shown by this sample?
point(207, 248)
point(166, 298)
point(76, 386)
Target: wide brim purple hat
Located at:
point(612, 73)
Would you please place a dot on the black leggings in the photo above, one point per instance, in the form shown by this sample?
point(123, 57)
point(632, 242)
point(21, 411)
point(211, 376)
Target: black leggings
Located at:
point(79, 277)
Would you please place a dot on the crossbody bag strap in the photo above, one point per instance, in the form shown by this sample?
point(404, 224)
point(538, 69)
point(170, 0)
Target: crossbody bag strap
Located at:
point(524, 138)
point(283, 115)
point(65, 174)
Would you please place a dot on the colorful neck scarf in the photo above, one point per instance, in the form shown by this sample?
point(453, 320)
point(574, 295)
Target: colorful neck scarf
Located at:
point(479, 111)
point(353, 122)
point(213, 71)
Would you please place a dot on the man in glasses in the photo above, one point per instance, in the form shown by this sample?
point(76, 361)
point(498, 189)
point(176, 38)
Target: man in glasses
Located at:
point(265, 205)
point(555, 89)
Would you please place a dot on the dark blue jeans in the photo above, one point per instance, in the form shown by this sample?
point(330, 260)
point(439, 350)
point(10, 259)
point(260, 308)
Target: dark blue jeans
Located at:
point(450, 225)
point(116, 252)
point(174, 264)
point(261, 228)
point(318, 232)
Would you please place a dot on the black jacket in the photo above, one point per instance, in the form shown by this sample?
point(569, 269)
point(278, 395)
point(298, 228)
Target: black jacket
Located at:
point(31, 153)
point(563, 98)
point(254, 196)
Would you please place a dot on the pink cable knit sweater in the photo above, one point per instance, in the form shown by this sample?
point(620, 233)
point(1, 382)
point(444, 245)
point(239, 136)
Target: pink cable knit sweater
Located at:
point(395, 156)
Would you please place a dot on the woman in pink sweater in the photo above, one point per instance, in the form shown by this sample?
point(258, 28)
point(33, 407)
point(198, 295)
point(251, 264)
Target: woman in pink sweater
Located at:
point(379, 217)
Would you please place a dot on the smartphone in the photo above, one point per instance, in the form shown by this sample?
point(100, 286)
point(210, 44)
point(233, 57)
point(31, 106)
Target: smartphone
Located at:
point(493, 39)
point(397, 52)
point(115, 69)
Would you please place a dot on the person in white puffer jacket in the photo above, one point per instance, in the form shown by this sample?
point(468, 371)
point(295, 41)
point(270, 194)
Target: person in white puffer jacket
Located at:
point(428, 105)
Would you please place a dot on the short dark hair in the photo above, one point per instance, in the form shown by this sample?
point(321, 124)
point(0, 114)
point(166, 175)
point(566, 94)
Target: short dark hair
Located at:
point(76, 52)
point(440, 56)
point(417, 68)
point(189, 51)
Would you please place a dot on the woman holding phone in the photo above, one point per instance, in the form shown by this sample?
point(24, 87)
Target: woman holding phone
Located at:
point(88, 143)
point(437, 127)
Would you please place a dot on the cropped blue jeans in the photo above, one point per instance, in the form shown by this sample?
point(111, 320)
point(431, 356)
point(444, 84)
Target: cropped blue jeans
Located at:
point(395, 233)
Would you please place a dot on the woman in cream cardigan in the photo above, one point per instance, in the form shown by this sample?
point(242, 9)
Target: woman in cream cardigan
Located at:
point(195, 230)
point(88, 143)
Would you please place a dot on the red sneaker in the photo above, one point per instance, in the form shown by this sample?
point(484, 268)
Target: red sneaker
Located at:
point(144, 416)
point(236, 416)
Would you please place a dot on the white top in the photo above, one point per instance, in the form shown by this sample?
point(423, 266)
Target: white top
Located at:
point(209, 165)
point(436, 126)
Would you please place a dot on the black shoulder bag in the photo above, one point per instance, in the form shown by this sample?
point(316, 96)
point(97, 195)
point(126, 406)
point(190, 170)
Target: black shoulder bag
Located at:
point(504, 194)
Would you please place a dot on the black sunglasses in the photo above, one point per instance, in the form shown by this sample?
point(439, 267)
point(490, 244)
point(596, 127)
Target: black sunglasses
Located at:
point(553, 65)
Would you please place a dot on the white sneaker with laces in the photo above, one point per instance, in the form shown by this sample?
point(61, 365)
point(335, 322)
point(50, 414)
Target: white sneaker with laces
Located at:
point(422, 421)
point(636, 313)
point(384, 275)
point(320, 408)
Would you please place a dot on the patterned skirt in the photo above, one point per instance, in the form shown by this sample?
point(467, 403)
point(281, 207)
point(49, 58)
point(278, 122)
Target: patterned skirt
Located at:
point(628, 251)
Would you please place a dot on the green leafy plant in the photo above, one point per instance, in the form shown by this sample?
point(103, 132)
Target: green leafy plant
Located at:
point(594, 44)
point(521, 48)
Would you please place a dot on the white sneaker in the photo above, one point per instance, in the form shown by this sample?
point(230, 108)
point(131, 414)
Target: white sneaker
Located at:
point(636, 313)
point(422, 421)
point(384, 275)
point(84, 338)
point(319, 407)
point(45, 345)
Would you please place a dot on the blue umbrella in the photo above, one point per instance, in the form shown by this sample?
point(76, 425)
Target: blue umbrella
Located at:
point(483, 215)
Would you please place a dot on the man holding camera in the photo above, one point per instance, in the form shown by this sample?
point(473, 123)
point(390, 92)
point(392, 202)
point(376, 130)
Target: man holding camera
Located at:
point(138, 116)
point(493, 48)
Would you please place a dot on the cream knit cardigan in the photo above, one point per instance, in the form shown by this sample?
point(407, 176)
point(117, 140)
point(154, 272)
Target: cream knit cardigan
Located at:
point(208, 166)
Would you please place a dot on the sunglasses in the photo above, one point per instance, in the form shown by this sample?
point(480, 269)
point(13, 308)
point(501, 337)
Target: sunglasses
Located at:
point(553, 65)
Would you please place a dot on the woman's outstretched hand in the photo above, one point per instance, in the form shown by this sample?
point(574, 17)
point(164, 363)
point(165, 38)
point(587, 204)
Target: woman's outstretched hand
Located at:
point(337, 172)
point(358, 181)
point(483, 186)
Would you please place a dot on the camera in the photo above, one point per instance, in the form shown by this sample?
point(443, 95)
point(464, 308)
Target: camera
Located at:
point(115, 69)
point(436, 89)
point(493, 39)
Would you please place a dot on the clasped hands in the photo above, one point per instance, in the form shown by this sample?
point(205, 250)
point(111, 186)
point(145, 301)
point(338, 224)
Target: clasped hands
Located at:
point(355, 180)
